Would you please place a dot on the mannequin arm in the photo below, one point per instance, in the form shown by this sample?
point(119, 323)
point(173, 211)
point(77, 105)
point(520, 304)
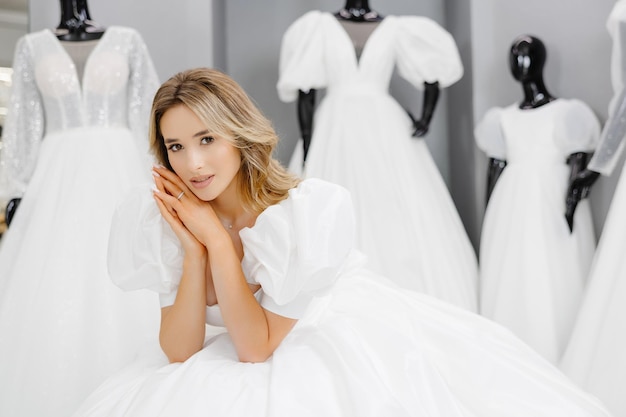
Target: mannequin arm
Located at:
point(431, 96)
point(306, 109)
point(496, 166)
point(580, 182)
point(10, 210)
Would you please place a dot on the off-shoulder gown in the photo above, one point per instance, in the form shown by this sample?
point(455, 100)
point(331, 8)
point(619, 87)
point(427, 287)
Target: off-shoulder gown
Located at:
point(362, 346)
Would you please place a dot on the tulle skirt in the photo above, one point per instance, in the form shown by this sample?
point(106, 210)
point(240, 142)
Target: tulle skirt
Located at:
point(367, 349)
point(64, 326)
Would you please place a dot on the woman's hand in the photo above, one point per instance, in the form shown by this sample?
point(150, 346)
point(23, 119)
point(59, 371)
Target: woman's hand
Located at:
point(163, 195)
point(186, 213)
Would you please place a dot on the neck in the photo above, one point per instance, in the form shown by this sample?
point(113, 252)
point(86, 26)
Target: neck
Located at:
point(535, 94)
point(358, 11)
point(76, 23)
point(229, 208)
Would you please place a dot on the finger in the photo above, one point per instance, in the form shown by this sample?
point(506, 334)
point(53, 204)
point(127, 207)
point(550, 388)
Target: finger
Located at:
point(167, 212)
point(171, 177)
point(166, 200)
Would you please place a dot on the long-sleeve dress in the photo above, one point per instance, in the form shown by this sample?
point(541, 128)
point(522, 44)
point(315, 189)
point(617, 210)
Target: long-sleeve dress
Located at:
point(408, 225)
point(362, 345)
point(595, 355)
point(532, 269)
point(72, 149)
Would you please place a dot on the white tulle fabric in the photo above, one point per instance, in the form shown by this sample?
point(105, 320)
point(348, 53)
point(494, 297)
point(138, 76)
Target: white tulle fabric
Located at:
point(72, 149)
point(532, 269)
point(595, 357)
point(362, 346)
point(362, 141)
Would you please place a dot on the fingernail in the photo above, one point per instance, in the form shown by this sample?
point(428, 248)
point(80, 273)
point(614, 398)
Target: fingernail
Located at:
point(156, 174)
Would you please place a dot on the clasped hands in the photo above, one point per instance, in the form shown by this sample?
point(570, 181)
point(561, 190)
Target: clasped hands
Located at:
point(193, 221)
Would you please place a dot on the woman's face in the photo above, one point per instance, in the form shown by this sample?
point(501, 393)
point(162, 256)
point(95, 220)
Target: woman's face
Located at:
point(206, 162)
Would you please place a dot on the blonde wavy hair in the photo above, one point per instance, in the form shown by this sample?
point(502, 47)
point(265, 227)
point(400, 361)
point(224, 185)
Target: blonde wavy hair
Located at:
point(222, 105)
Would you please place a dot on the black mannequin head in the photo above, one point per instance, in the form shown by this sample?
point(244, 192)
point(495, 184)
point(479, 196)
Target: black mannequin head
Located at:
point(76, 23)
point(527, 58)
point(358, 11)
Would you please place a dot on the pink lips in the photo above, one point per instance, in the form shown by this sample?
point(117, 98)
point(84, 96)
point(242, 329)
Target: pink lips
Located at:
point(201, 182)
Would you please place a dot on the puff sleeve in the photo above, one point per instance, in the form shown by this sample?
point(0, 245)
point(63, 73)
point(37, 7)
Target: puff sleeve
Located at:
point(24, 125)
point(489, 136)
point(577, 129)
point(143, 250)
point(425, 52)
point(296, 249)
point(301, 57)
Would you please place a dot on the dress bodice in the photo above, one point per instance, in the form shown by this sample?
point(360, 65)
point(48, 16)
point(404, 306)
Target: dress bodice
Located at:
point(317, 52)
point(47, 97)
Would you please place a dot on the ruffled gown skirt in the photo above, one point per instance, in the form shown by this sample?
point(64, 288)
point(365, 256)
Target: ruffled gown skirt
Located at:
point(64, 326)
point(367, 349)
point(407, 224)
point(532, 269)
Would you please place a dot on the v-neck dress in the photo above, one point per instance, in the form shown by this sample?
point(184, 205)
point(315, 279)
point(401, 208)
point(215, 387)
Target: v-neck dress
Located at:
point(71, 149)
point(408, 225)
point(532, 269)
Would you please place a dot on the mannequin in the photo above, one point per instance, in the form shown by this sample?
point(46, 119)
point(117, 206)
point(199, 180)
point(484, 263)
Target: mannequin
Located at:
point(364, 140)
point(76, 26)
point(526, 62)
point(532, 269)
point(359, 12)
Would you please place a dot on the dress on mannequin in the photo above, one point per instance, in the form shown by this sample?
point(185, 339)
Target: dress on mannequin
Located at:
point(532, 268)
point(595, 357)
point(72, 147)
point(365, 141)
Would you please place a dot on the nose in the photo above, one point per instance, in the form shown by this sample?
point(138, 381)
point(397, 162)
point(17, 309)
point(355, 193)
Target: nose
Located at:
point(195, 161)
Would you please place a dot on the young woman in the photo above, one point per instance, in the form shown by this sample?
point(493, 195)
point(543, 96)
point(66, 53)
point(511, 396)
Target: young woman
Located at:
point(300, 325)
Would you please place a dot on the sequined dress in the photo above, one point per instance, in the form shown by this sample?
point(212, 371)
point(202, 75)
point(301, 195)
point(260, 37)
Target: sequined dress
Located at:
point(72, 148)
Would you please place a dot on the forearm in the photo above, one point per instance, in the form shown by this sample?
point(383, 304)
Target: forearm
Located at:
point(254, 334)
point(183, 324)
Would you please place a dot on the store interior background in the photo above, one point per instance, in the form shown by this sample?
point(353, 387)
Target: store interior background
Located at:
point(243, 39)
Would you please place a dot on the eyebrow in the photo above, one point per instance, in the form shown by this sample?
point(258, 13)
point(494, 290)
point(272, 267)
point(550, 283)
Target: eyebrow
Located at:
point(201, 133)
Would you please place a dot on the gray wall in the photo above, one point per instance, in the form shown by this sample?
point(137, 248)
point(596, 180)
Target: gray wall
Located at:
point(243, 38)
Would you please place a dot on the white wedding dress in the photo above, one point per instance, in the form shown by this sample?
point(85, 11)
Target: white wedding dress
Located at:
point(362, 345)
point(72, 148)
point(596, 354)
point(532, 269)
point(408, 225)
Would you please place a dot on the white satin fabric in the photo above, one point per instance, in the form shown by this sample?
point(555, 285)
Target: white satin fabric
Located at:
point(362, 346)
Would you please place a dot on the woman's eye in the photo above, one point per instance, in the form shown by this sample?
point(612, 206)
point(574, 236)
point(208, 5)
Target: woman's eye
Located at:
point(207, 139)
point(174, 147)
